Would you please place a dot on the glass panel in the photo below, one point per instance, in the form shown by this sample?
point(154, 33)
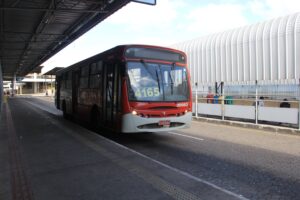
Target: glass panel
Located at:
point(94, 68)
point(85, 71)
point(157, 82)
point(109, 92)
point(99, 66)
point(175, 85)
point(69, 80)
point(84, 82)
point(95, 81)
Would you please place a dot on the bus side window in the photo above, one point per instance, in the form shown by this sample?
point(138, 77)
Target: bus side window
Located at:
point(103, 91)
point(84, 77)
point(120, 76)
point(65, 77)
point(68, 80)
point(95, 75)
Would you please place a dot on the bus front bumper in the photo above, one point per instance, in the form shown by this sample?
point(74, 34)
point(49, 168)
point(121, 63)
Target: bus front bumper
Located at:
point(133, 123)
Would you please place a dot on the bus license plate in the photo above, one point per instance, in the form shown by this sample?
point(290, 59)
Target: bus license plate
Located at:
point(164, 123)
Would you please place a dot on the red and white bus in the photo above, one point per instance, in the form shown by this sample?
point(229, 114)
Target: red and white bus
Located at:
point(129, 88)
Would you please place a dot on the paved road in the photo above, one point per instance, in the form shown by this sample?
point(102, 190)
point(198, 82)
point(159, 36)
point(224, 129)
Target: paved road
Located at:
point(207, 161)
point(256, 164)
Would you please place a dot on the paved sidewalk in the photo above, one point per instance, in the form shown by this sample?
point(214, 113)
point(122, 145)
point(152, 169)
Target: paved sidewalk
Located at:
point(46, 157)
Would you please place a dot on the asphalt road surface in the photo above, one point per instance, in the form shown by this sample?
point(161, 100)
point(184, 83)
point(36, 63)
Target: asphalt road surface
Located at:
point(206, 161)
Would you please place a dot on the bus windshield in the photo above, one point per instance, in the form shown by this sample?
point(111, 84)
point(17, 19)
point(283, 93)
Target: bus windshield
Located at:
point(157, 82)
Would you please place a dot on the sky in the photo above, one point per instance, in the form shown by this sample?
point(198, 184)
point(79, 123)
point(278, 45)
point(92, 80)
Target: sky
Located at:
point(169, 22)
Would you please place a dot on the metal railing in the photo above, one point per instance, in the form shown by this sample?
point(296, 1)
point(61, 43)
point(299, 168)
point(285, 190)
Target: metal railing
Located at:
point(271, 109)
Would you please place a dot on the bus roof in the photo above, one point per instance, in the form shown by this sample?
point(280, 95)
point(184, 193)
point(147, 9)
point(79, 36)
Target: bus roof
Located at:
point(119, 48)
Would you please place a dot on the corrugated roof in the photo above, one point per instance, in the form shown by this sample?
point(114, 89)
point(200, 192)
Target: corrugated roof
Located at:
point(267, 51)
point(33, 31)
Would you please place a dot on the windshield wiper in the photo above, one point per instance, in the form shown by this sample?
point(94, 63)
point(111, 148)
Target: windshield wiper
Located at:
point(171, 78)
point(156, 73)
point(158, 81)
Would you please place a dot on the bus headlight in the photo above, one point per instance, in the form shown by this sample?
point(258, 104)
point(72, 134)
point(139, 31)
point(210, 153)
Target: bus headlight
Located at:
point(134, 112)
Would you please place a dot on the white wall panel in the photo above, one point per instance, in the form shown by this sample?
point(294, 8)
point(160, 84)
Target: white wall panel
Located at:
point(228, 57)
point(234, 56)
point(252, 51)
point(209, 109)
point(218, 57)
point(190, 51)
point(223, 57)
point(208, 58)
point(259, 52)
point(274, 50)
point(240, 54)
point(203, 60)
point(213, 58)
point(297, 46)
point(282, 48)
point(267, 51)
point(237, 111)
point(246, 54)
point(284, 115)
point(199, 61)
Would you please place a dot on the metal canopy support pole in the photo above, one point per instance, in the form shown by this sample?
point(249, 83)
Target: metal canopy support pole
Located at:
point(256, 108)
point(1, 87)
point(196, 100)
point(46, 88)
point(51, 85)
point(34, 83)
point(299, 109)
point(13, 86)
point(222, 100)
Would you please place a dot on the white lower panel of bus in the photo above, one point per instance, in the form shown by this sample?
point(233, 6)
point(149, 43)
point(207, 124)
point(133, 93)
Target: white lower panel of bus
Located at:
point(133, 123)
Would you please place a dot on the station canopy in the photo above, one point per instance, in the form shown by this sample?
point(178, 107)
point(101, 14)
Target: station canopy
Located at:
point(31, 31)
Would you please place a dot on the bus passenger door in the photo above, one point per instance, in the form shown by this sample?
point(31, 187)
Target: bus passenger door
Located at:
point(111, 94)
point(57, 91)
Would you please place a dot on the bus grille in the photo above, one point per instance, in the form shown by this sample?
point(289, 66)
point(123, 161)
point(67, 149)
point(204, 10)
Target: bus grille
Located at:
point(156, 125)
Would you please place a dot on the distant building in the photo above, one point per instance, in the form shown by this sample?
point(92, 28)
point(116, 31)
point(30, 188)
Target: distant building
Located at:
point(35, 82)
point(266, 52)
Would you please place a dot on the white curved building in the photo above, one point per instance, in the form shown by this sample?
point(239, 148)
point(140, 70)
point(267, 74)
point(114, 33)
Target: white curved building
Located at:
point(268, 52)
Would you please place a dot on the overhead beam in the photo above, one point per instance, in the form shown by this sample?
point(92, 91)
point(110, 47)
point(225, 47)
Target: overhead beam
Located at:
point(29, 33)
point(29, 42)
point(66, 10)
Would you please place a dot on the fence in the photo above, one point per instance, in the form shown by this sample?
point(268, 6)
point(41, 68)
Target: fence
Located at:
point(276, 105)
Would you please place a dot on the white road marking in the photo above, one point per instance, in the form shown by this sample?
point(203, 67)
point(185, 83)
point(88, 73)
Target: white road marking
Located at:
point(175, 169)
point(187, 136)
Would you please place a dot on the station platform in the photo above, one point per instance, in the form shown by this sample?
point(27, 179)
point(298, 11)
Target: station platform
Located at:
point(44, 156)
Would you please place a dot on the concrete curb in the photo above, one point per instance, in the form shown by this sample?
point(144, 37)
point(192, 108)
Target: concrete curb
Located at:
point(264, 127)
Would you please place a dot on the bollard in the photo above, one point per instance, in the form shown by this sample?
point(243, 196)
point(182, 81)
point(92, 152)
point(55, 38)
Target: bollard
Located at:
point(196, 108)
point(299, 114)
